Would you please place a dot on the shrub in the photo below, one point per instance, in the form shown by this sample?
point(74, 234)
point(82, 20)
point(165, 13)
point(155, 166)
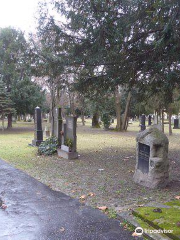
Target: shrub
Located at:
point(106, 119)
point(69, 143)
point(48, 147)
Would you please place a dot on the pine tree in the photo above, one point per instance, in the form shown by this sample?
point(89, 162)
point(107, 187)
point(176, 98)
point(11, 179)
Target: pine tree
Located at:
point(6, 104)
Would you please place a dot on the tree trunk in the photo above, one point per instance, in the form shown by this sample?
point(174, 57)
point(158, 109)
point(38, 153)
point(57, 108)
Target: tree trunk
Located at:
point(82, 109)
point(25, 118)
point(71, 101)
point(126, 112)
point(95, 120)
point(162, 121)
point(2, 122)
point(170, 115)
point(19, 118)
point(53, 104)
point(118, 108)
point(9, 120)
point(82, 118)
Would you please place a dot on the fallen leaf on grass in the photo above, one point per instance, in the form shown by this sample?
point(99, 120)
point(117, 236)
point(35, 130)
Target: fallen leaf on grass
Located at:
point(3, 206)
point(134, 234)
point(62, 229)
point(178, 224)
point(103, 208)
point(177, 197)
point(125, 226)
point(83, 197)
point(91, 194)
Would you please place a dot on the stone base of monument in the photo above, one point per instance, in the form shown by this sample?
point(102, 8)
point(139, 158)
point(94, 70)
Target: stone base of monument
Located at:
point(36, 142)
point(158, 175)
point(67, 155)
point(152, 164)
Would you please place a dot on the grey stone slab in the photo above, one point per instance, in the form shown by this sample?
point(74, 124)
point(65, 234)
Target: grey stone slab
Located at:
point(67, 155)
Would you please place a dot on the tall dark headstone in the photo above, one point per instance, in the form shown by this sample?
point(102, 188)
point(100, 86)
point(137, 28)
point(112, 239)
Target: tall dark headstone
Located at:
point(176, 124)
point(149, 120)
point(38, 133)
point(143, 122)
point(58, 124)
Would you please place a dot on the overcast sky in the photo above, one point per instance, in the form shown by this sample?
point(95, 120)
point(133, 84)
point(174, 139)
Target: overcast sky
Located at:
point(18, 14)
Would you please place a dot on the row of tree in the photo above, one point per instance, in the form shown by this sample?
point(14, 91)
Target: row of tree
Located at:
point(109, 49)
point(19, 95)
point(102, 55)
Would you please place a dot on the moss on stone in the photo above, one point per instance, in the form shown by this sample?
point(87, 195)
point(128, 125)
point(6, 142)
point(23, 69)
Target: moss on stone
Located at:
point(167, 219)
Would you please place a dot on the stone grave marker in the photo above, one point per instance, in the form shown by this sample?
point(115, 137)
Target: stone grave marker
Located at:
point(63, 133)
point(176, 123)
point(58, 124)
point(149, 120)
point(155, 119)
point(68, 149)
point(152, 164)
point(38, 132)
point(143, 122)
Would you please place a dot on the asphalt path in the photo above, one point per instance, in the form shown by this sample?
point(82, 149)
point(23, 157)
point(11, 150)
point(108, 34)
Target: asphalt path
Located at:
point(31, 210)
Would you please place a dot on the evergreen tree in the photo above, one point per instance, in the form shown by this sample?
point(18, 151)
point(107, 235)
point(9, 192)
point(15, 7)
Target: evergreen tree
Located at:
point(6, 105)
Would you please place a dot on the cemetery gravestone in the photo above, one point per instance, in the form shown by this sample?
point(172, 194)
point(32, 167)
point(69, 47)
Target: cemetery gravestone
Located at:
point(152, 164)
point(149, 120)
point(155, 119)
point(68, 149)
point(63, 133)
point(143, 122)
point(38, 133)
point(58, 124)
point(47, 132)
point(176, 124)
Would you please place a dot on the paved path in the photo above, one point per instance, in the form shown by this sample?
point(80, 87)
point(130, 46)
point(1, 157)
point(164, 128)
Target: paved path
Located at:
point(35, 212)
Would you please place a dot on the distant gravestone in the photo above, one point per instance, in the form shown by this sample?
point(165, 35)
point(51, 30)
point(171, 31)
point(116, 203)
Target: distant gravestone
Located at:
point(143, 122)
point(57, 124)
point(63, 133)
point(38, 133)
point(155, 119)
point(149, 120)
point(152, 164)
point(68, 149)
point(47, 132)
point(176, 124)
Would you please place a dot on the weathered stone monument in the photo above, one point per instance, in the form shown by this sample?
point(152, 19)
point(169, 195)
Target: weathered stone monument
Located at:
point(68, 148)
point(155, 119)
point(149, 120)
point(58, 124)
point(143, 122)
point(152, 164)
point(38, 133)
point(47, 132)
point(176, 123)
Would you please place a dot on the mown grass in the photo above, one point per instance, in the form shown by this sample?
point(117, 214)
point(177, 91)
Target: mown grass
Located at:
point(111, 151)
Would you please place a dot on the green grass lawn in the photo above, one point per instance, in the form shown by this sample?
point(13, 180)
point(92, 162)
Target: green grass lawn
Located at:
point(14, 146)
point(111, 151)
